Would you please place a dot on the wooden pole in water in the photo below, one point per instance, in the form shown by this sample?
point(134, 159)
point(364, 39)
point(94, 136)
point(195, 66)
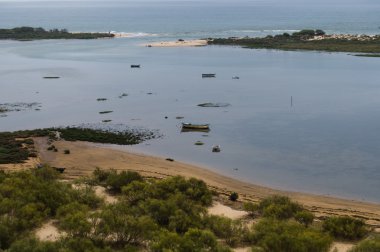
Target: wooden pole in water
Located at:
point(291, 101)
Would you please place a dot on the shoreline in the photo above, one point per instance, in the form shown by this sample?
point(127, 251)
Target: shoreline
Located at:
point(85, 157)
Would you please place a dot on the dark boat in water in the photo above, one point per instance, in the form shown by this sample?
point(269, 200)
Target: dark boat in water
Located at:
point(189, 127)
point(208, 75)
point(51, 77)
point(135, 66)
point(195, 126)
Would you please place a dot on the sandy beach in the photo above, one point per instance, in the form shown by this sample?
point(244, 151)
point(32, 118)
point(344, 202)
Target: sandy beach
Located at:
point(178, 43)
point(85, 157)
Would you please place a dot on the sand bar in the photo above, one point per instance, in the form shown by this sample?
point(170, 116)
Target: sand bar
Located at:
point(178, 43)
point(85, 157)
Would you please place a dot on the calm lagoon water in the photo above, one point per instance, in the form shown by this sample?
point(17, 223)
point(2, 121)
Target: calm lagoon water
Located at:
point(326, 143)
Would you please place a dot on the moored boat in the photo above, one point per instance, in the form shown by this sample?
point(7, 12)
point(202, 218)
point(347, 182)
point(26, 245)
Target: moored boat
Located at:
point(208, 75)
point(192, 126)
point(135, 66)
point(188, 127)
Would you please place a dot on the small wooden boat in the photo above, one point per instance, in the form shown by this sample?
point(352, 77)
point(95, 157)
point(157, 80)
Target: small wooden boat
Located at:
point(235, 77)
point(189, 127)
point(208, 75)
point(195, 126)
point(51, 77)
point(135, 66)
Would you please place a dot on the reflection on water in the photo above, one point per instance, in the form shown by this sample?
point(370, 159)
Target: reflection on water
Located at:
point(326, 141)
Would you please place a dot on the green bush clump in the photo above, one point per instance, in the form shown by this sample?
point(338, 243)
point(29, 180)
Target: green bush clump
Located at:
point(232, 231)
point(234, 196)
point(251, 208)
point(345, 227)
point(28, 198)
point(115, 181)
point(369, 245)
point(279, 207)
point(304, 217)
point(273, 235)
point(192, 240)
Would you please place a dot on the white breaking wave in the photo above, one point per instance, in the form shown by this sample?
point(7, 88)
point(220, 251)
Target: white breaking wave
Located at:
point(133, 34)
point(263, 31)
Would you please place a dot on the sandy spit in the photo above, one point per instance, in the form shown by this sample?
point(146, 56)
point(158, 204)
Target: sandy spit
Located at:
point(178, 43)
point(85, 157)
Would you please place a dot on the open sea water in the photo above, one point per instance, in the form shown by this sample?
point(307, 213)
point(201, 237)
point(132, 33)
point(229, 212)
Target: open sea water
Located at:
point(327, 141)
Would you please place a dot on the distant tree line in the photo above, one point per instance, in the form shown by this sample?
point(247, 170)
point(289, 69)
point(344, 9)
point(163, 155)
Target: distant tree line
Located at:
point(31, 33)
point(303, 40)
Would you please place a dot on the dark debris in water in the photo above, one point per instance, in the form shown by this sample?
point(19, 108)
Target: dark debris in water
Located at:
point(214, 105)
point(123, 95)
point(105, 112)
point(19, 106)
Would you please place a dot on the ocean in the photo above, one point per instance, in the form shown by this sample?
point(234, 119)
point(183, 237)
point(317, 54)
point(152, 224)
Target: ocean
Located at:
point(325, 141)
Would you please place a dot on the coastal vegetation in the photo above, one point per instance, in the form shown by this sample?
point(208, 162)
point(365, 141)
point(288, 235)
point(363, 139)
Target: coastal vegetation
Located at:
point(31, 33)
point(315, 40)
point(17, 147)
point(149, 215)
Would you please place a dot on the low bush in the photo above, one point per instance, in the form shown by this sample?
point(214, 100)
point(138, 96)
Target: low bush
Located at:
point(232, 231)
point(115, 181)
point(369, 245)
point(279, 207)
point(345, 227)
point(273, 235)
point(304, 217)
point(234, 196)
point(251, 208)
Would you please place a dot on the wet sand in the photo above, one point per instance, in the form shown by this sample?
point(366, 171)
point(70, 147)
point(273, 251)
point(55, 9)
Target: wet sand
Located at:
point(85, 157)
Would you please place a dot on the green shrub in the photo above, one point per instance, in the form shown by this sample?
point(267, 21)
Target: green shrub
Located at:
point(234, 196)
point(100, 176)
point(345, 227)
point(33, 245)
point(279, 207)
point(368, 245)
point(115, 181)
point(232, 231)
point(66, 151)
point(278, 236)
point(304, 217)
point(117, 221)
point(251, 208)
